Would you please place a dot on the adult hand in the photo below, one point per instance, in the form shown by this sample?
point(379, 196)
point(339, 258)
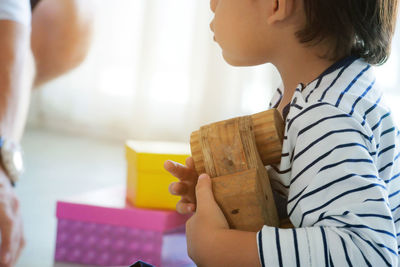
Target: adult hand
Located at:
point(185, 188)
point(12, 236)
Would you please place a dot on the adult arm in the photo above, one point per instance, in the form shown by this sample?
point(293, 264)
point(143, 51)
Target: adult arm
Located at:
point(16, 76)
point(61, 36)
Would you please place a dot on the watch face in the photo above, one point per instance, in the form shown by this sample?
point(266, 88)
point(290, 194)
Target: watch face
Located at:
point(11, 154)
point(17, 160)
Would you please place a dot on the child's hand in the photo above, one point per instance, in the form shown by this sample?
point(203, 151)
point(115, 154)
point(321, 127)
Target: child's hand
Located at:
point(205, 226)
point(186, 186)
point(210, 242)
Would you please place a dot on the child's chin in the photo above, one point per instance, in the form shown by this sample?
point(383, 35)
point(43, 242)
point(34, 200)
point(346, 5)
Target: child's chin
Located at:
point(237, 63)
point(233, 62)
point(240, 62)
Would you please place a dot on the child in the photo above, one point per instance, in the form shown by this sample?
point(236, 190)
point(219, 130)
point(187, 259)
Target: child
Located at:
point(339, 169)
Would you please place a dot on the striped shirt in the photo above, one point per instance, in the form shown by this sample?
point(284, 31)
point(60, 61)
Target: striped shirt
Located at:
point(340, 174)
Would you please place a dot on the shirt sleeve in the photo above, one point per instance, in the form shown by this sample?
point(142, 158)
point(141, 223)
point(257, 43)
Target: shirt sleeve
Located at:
point(337, 201)
point(16, 10)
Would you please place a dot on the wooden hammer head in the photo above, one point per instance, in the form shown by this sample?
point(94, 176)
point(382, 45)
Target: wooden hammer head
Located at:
point(268, 128)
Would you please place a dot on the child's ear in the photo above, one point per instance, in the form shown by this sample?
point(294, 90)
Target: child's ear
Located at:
point(281, 9)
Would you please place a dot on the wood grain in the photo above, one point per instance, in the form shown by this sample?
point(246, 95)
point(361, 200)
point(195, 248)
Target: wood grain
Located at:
point(268, 127)
point(229, 154)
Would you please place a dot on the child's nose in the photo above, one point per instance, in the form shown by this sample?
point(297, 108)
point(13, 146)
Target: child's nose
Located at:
point(212, 25)
point(213, 5)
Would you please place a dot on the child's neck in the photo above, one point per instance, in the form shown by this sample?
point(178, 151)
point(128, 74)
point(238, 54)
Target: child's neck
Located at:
point(299, 64)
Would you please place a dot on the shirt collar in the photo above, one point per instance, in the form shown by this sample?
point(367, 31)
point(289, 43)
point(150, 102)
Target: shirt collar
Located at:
point(347, 61)
point(335, 66)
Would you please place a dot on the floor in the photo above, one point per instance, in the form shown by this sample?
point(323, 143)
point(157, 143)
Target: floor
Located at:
point(58, 166)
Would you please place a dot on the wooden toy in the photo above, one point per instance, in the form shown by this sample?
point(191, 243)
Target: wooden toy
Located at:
point(234, 153)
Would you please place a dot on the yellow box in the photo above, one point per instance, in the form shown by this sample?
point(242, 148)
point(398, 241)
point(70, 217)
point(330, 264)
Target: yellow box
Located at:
point(147, 180)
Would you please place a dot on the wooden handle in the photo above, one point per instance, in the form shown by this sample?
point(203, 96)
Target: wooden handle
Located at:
point(268, 127)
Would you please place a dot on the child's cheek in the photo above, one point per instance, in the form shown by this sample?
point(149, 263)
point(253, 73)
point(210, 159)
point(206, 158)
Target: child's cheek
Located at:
point(225, 35)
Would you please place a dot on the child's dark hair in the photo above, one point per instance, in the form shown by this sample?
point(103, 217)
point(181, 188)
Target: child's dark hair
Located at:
point(363, 28)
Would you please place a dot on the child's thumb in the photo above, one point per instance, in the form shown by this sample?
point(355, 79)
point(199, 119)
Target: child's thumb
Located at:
point(204, 194)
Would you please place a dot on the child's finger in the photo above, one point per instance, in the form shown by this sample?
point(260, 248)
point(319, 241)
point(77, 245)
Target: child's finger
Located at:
point(185, 207)
point(179, 171)
point(190, 163)
point(204, 194)
point(207, 207)
point(178, 188)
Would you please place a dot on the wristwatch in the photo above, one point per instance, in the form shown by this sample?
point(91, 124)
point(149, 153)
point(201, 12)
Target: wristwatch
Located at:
point(11, 156)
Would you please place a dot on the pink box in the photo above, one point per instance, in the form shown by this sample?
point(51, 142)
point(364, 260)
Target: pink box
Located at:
point(99, 228)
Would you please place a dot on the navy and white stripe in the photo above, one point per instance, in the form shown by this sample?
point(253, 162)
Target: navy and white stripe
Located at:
point(340, 173)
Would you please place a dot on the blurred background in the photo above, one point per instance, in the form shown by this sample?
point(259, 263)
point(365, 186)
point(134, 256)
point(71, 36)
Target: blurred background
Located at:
point(152, 73)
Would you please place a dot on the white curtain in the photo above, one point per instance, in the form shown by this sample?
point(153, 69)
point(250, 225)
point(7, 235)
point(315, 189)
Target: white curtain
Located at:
point(154, 73)
point(389, 74)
